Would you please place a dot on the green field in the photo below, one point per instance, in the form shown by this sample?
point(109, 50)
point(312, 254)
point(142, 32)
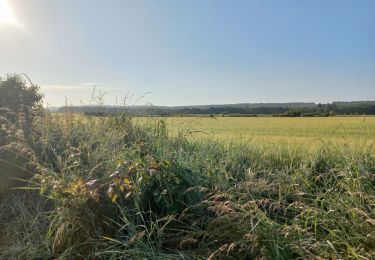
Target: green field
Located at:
point(122, 187)
point(308, 132)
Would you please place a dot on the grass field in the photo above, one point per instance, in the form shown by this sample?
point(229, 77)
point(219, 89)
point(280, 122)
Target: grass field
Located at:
point(307, 133)
point(151, 188)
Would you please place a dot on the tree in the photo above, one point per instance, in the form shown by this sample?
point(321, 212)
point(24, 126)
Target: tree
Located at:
point(19, 94)
point(20, 102)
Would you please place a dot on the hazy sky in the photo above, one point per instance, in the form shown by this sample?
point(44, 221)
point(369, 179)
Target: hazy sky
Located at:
point(192, 52)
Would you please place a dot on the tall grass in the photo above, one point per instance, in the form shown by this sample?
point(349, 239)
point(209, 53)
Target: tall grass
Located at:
point(109, 188)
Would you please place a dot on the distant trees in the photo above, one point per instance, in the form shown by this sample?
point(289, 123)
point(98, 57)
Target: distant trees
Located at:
point(347, 108)
point(330, 109)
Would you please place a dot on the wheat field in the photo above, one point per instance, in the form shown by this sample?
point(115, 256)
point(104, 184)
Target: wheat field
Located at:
point(303, 132)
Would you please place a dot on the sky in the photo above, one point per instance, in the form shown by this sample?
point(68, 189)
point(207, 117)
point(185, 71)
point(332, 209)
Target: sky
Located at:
point(191, 52)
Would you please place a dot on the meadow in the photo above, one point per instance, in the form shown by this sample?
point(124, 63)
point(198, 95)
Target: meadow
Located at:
point(118, 187)
point(294, 132)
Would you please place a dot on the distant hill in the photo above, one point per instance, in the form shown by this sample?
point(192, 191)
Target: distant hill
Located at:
point(280, 109)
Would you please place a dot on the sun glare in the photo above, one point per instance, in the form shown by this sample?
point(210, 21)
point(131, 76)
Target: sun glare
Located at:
point(6, 15)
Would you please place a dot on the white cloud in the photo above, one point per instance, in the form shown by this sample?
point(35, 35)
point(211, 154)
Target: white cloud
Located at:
point(66, 87)
point(79, 86)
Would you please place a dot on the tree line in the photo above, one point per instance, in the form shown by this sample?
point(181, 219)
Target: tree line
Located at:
point(285, 110)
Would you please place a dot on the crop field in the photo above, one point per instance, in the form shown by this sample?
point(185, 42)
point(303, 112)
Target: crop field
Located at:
point(303, 132)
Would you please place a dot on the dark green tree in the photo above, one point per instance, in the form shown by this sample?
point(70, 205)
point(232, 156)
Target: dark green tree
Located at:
point(20, 102)
point(19, 94)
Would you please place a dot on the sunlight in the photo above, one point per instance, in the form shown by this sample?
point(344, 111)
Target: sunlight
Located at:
point(6, 15)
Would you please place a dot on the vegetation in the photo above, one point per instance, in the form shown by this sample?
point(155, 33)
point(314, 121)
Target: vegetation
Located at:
point(107, 187)
point(301, 133)
point(274, 109)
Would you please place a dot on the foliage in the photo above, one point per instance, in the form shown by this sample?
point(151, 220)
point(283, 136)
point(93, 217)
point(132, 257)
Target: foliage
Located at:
point(16, 95)
point(19, 106)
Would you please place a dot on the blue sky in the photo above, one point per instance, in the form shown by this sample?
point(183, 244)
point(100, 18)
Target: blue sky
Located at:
point(193, 52)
